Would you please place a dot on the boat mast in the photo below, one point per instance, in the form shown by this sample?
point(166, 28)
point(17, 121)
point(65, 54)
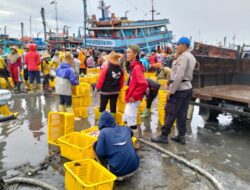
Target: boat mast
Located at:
point(44, 23)
point(153, 10)
point(102, 8)
point(85, 21)
point(56, 16)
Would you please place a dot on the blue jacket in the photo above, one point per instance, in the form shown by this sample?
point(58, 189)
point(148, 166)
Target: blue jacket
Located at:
point(145, 63)
point(114, 145)
point(65, 78)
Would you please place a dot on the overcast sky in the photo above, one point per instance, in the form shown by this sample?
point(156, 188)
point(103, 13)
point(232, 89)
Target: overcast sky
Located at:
point(204, 20)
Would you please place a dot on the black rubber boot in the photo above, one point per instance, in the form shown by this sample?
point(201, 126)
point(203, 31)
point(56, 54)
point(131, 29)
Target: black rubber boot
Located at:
point(179, 139)
point(133, 127)
point(159, 139)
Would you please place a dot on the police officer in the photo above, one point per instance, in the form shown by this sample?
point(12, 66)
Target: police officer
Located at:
point(180, 93)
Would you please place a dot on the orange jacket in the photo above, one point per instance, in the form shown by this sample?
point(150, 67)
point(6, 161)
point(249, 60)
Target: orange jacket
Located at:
point(82, 59)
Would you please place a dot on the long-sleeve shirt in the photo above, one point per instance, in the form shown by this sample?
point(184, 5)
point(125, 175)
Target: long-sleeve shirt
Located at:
point(182, 72)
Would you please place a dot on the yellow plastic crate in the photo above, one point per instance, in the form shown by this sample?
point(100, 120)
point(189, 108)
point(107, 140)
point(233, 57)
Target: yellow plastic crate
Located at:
point(81, 112)
point(83, 89)
point(59, 124)
point(84, 79)
point(148, 75)
point(97, 113)
point(91, 70)
point(119, 119)
point(122, 94)
point(81, 101)
point(161, 117)
point(93, 79)
point(94, 129)
point(139, 121)
point(87, 174)
point(162, 82)
point(120, 106)
point(89, 130)
point(77, 146)
point(154, 78)
point(142, 106)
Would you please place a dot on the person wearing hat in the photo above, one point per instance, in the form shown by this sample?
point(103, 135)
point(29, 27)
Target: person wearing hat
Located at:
point(15, 66)
point(101, 59)
point(46, 67)
point(110, 82)
point(137, 85)
point(56, 59)
point(65, 78)
point(180, 91)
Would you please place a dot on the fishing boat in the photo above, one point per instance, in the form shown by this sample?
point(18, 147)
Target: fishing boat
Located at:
point(59, 40)
point(117, 33)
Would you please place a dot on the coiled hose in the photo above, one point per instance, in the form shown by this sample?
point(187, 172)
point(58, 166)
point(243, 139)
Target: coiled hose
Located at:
point(209, 176)
point(29, 181)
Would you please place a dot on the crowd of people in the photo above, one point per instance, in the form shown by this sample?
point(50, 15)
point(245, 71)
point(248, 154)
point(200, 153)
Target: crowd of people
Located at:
point(67, 66)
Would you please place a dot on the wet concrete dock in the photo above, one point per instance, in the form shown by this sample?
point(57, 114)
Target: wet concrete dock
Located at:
point(222, 149)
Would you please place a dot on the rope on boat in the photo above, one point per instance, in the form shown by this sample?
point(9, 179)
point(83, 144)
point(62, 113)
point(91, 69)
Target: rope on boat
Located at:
point(203, 172)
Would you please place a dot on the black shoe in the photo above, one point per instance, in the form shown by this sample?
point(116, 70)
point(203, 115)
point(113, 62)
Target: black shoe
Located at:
point(179, 139)
point(133, 127)
point(159, 139)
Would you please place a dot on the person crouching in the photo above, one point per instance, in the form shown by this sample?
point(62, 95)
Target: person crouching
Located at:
point(114, 148)
point(65, 78)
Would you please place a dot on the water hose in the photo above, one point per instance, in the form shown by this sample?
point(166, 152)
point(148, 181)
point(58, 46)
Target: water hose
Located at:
point(203, 172)
point(29, 181)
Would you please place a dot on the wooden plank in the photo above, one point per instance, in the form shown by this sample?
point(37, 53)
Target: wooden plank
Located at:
point(238, 93)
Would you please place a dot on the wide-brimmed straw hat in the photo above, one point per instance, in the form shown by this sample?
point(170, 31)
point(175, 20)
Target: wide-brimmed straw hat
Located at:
point(14, 47)
point(113, 57)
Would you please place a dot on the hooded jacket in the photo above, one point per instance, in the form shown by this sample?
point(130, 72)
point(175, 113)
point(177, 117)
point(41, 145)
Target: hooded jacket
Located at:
point(115, 146)
point(32, 59)
point(65, 78)
point(137, 82)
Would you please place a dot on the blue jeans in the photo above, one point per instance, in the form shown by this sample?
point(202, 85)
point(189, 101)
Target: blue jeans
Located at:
point(177, 108)
point(34, 75)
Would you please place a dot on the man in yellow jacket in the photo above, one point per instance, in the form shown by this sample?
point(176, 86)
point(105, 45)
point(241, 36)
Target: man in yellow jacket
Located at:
point(46, 67)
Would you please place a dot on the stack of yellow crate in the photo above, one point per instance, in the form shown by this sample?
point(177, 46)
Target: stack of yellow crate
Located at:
point(163, 82)
point(90, 78)
point(148, 74)
point(81, 99)
point(95, 70)
point(162, 100)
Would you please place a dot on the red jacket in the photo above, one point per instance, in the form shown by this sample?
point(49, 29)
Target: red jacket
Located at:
point(152, 59)
point(32, 59)
point(137, 84)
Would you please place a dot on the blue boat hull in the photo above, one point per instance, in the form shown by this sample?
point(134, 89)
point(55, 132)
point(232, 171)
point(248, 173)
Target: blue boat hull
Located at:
point(147, 44)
